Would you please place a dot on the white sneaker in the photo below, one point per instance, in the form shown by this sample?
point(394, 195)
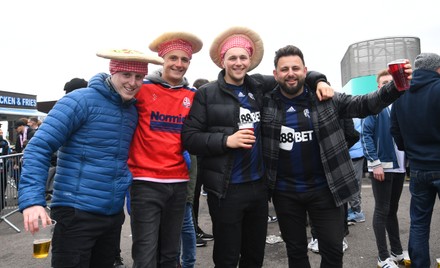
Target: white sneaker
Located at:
point(388, 263)
point(273, 239)
point(397, 258)
point(344, 245)
point(313, 245)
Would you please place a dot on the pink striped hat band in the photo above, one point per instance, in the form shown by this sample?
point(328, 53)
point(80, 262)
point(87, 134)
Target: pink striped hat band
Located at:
point(128, 66)
point(237, 41)
point(176, 44)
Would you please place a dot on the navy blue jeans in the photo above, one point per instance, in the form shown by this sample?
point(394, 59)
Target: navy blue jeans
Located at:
point(424, 187)
point(188, 239)
point(239, 224)
point(327, 220)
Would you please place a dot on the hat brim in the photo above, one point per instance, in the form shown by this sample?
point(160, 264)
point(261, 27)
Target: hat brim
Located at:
point(129, 55)
point(195, 42)
point(218, 42)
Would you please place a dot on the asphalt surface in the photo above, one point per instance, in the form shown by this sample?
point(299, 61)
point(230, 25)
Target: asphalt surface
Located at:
point(16, 248)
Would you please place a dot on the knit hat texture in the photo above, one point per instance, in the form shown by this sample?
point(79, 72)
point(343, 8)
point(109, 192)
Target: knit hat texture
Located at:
point(427, 61)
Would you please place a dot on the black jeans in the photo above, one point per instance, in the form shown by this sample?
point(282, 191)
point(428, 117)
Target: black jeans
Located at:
point(327, 221)
point(240, 225)
point(157, 211)
point(386, 197)
point(82, 239)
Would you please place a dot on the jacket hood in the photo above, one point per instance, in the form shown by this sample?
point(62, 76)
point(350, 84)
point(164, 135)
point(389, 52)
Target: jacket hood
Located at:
point(156, 77)
point(421, 78)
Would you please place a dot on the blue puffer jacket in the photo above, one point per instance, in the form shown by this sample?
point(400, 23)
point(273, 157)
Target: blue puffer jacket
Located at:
point(92, 128)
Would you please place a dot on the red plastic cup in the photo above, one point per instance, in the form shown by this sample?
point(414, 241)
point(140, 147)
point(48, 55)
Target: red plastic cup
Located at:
point(397, 71)
point(249, 126)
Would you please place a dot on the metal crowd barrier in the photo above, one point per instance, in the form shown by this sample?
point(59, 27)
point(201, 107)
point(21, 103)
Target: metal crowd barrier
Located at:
point(10, 169)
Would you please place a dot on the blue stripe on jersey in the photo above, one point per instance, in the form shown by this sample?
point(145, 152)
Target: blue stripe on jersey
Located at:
point(299, 166)
point(248, 164)
point(166, 127)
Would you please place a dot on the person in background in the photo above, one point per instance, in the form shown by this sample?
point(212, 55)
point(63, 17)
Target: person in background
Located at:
point(24, 134)
point(416, 130)
point(387, 164)
point(355, 213)
point(296, 128)
point(202, 237)
point(160, 175)
point(92, 128)
point(223, 128)
point(33, 123)
point(74, 83)
point(4, 150)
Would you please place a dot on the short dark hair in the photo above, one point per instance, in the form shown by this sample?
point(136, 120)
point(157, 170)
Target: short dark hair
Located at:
point(75, 83)
point(200, 82)
point(19, 123)
point(288, 50)
point(381, 73)
point(33, 119)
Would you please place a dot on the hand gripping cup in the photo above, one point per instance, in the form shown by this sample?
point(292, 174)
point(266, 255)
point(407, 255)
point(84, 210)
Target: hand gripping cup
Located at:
point(397, 71)
point(249, 126)
point(42, 239)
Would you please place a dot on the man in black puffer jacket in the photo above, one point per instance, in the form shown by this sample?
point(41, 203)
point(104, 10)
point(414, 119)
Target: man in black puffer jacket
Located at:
point(223, 128)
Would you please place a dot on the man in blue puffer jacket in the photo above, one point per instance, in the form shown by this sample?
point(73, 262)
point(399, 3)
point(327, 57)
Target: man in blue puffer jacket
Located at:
point(92, 129)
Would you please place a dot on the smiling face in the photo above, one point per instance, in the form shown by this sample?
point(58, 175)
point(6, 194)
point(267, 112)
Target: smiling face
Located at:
point(176, 63)
point(290, 74)
point(236, 63)
point(127, 84)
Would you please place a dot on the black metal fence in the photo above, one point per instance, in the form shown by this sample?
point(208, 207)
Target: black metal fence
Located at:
point(10, 166)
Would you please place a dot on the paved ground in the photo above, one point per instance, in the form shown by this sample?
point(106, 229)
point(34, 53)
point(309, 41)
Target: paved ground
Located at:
point(16, 249)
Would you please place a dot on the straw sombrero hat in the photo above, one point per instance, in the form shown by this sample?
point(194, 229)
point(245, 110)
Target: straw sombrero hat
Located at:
point(195, 42)
point(129, 55)
point(253, 37)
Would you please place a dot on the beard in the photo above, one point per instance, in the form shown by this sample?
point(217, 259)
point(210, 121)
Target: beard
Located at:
point(293, 90)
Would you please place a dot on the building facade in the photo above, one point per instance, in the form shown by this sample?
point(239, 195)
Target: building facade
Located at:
point(14, 106)
point(363, 60)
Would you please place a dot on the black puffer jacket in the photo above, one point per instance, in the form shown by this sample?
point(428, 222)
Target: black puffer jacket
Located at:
point(213, 117)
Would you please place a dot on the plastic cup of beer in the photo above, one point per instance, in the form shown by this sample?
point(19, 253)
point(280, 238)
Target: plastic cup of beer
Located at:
point(42, 239)
point(249, 126)
point(397, 70)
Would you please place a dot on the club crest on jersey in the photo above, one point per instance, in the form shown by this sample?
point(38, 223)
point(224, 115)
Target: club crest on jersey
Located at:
point(186, 102)
point(306, 113)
